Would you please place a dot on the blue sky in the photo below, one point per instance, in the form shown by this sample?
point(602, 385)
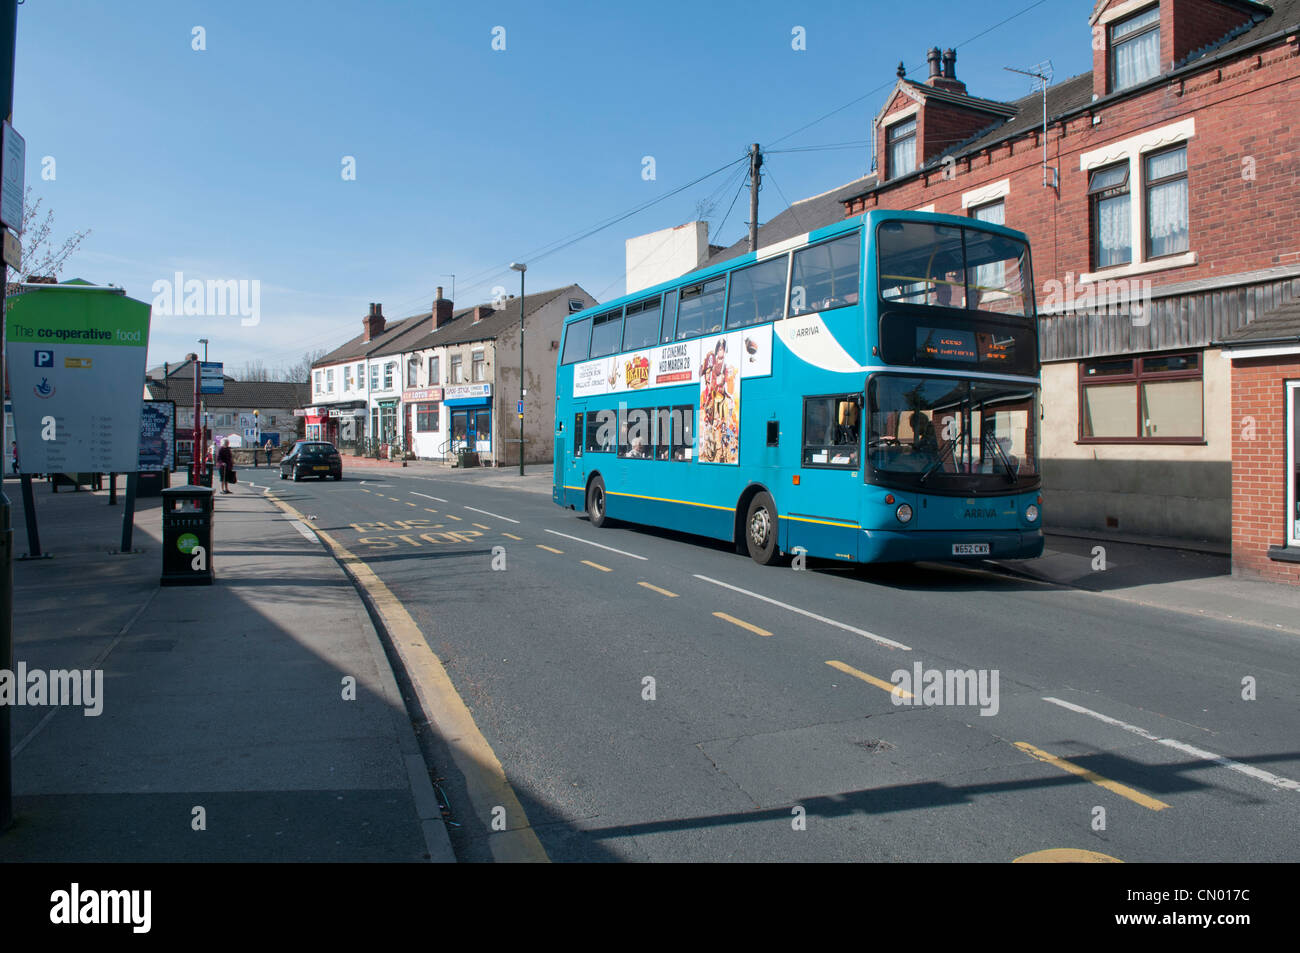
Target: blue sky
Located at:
point(226, 163)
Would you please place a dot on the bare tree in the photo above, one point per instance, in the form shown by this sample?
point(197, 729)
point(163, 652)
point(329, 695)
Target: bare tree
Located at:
point(300, 370)
point(41, 255)
point(255, 371)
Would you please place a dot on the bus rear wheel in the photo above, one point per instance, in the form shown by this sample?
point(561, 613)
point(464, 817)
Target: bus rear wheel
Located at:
point(761, 530)
point(596, 503)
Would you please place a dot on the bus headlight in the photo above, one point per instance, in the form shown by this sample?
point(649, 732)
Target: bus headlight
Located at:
point(1031, 513)
point(904, 513)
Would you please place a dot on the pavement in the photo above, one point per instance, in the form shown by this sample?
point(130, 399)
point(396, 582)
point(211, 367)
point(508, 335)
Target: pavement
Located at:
point(256, 719)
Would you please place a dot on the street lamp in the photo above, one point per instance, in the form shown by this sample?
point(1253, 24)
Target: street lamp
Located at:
point(203, 404)
point(521, 268)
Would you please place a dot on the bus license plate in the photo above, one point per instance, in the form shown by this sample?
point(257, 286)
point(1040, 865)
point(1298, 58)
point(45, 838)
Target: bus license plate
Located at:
point(970, 549)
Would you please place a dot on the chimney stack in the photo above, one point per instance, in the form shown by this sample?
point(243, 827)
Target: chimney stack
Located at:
point(442, 309)
point(944, 77)
point(482, 311)
point(373, 323)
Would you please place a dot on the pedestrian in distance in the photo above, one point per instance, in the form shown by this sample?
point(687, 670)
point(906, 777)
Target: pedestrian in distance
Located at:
point(268, 453)
point(226, 462)
point(13, 452)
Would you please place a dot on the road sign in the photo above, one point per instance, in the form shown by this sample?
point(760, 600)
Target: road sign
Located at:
point(13, 250)
point(211, 379)
point(11, 182)
point(520, 408)
point(80, 415)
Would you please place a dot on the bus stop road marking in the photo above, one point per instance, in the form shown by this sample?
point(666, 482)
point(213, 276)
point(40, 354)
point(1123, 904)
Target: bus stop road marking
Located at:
point(662, 592)
point(588, 562)
point(409, 503)
point(428, 497)
point(479, 525)
point(1123, 790)
point(811, 615)
point(450, 517)
point(1277, 781)
point(493, 515)
point(427, 510)
point(558, 552)
point(742, 623)
point(513, 536)
point(870, 679)
point(579, 539)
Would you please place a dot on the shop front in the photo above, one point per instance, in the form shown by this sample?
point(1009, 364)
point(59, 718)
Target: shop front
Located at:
point(469, 411)
point(425, 423)
point(316, 420)
point(384, 416)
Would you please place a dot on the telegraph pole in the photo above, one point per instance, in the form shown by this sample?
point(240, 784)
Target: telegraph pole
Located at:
point(8, 44)
point(521, 268)
point(755, 179)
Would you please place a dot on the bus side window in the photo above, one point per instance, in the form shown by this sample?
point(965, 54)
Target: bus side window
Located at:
point(600, 430)
point(634, 434)
point(669, 319)
point(577, 434)
point(683, 432)
point(662, 433)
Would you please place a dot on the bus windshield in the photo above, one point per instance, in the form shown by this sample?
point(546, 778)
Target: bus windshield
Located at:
point(951, 266)
point(944, 433)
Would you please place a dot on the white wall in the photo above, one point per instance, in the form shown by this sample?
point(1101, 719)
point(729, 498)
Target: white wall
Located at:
point(666, 254)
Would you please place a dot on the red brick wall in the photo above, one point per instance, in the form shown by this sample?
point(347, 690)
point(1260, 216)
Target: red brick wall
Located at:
point(945, 126)
point(1247, 125)
point(1259, 465)
point(1188, 25)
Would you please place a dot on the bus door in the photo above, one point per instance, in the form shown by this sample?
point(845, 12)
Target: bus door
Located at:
point(574, 475)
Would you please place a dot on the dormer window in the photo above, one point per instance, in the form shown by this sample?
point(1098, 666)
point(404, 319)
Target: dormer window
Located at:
point(902, 147)
point(1135, 49)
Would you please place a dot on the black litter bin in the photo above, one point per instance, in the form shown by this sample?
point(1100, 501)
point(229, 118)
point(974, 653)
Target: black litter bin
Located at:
point(187, 536)
point(206, 475)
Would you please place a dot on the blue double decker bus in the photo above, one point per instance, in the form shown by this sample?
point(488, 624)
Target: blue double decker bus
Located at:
point(865, 392)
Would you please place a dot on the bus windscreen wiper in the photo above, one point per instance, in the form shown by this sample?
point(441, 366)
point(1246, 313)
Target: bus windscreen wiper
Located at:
point(942, 455)
point(1012, 472)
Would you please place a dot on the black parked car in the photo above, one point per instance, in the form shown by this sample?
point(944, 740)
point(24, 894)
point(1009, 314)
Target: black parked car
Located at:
point(312, 458)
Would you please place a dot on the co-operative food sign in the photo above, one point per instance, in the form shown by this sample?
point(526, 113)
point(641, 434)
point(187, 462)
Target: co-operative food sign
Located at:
point(76, 362)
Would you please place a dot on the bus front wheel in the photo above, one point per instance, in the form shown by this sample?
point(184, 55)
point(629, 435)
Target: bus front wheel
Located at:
point(596, 503)
point(761, 530)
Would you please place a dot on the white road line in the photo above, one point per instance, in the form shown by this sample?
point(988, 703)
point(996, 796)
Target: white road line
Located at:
point(812, 615)
point(303, 528)
point(368, 483)
point(1277, 781)
point(427, 496)
point(579, 539)
point(486, 513)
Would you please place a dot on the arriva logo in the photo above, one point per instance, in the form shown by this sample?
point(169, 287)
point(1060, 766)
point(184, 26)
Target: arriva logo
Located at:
point(979, 513)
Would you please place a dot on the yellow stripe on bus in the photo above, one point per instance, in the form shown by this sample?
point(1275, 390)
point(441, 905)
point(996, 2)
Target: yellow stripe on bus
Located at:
point(715, 506)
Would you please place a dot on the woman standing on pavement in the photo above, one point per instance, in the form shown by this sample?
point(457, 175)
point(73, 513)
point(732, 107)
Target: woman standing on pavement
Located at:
point(226, 463)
